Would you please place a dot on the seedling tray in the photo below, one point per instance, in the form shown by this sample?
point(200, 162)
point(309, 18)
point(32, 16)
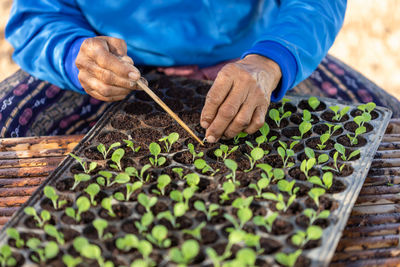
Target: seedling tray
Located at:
point(142, 121)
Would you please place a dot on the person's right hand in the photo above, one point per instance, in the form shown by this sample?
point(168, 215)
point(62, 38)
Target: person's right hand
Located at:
point(106, 72)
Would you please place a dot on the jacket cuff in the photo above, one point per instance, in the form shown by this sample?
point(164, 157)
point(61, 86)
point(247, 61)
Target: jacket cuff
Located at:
point(284, 58)
point(70, 68)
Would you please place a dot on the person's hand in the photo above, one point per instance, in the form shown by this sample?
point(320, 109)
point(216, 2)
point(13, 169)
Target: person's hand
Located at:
point(106, 72)
point(239, 98)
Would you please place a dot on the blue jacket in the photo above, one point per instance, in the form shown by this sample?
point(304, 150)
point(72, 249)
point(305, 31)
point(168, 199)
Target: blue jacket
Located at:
point(297, 34)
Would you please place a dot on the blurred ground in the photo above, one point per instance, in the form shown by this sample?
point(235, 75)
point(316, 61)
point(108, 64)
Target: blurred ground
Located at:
point(369, 41)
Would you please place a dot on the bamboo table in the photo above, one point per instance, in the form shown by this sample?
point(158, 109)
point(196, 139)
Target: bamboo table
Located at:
point(371, 237)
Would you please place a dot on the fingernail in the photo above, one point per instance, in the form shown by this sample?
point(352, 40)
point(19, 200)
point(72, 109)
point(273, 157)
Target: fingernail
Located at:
point(204, 124)
point(211, 139)
point(133, 76)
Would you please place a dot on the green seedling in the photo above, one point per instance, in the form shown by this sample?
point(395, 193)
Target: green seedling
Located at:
point(147, 202)
point(326, 182)
point(83, 204)
point(145, 248)
point(280, 205)
point(228, 187)
point(193, 152)
point(78, 178)
point(155, 150)
point(368, 107)
point(313, 102)
point(235, 237)
point(167, 215)
point(6, 258)
point(102, 149)
point(260, 185)
point(51, 194)
point(273, 175)
point(106, 203)
point(312, 215)
point(306, 165)
point(71, 261)
point(223, 151)
point(277, 117)
point(304, 127)
point(169, 141)
point(264, 130)
point(130, 144)
point(237, 138)
point(105, 178)
point(90, 251)
point(195, 232)
point(127, 242)
point(116, 157)
point(310, 155)
point(282, 107)
point(301, 238)
point(192, 179)
point(178, 171)
point(51, 230)
point(14, 234)
point(85, 167)
point(130, 189)
point(286, 152)
point(42, 254)
point(232, 166)
point(288, 187)
point(354, 138)
point(332, 128)
point(100, 225)
point(244, 213)
point(92, 190)
point(40, 220)
point(255, 155)
point(267, 222)
point(342, 151)
point(202, 165)
point(145, 221)
point(183, 196)
point(335, 164)
point(121, 178)
point(185, 255)
point(288, 260)
point(210, 212)
point(323, 139)
point(307, 116)
point(158, 236)
point(162, 182)
point(142, 176)
point(244, 257)
point(339, 113)
point(315, 194)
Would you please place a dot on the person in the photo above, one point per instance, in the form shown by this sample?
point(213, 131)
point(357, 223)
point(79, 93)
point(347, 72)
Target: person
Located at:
point(95, 50)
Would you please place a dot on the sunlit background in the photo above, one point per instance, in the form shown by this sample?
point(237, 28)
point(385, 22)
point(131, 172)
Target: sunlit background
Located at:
point(369, 41)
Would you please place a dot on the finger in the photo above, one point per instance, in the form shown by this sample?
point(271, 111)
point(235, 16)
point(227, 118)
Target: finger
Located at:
point(257, 120)
point(106, 99)
point(215, 97)
point(117, 46)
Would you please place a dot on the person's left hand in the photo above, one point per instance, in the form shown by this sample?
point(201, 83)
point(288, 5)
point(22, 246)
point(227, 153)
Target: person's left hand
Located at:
point(239, 98)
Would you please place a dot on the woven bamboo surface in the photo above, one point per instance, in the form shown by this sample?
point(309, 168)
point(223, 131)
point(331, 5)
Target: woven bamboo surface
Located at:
point(371, 237)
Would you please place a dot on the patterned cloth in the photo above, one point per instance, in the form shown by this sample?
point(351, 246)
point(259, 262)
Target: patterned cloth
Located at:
point(31, 107)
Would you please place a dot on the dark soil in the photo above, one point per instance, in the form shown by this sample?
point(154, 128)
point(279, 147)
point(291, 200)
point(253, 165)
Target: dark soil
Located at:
point(93, 154)
point(281, 227)
point(357, 112)
point(203, 89)
point(347, 153)
point(304, 105)
point(124, 122)
point(352, 126)
point(146, 135)
point(328, 116)
point(156, 209)
point(179, 92)
point(194, 103)
point(190, 117)
point(315, 141)
point(173, 104)
point(289, 132)
point(337, 187)
point(121, 212)
point(297, 174)
point(344, 140)
point(158, 119)
point(77, 168)
point(304, 222)
point(142, 95)
point(322, 128)
point(294, 209)
point(272, 124)
point(174, 127)
point(66, 185)
point(288, 106)
point(125, 162)
point(297, 118)
point(347, 169)
point(269, 245)
point(138, 108)
point(276, 161)
point(184, 157)
point(325, 203)
point(86, 217)
point(108, 138)
point(302, 156)
point(47, 204)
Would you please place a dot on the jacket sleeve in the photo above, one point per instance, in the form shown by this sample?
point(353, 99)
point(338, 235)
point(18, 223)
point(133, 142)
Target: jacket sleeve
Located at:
point(42, 33)
point(300, 38)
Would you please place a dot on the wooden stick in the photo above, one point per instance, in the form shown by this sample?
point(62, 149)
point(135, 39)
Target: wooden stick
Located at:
point(145, 88)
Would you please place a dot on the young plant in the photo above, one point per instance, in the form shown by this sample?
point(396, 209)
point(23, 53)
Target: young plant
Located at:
point(342, 151)
point(288, 187)
point(301, 238)
point(158, 236)
point(178, 171)
point(145, 221)
point(169, 141)
point(106, 203)
point(132, 171)
point(273, 175)
point(322, 158)
point(282, 107)
point(202, 165)
point(210, 212)
point(185, 255)
point(92, 190)
point(147, 202)
point(255, 155)
point(116, 158)
point(326, 182)
point(162, 182)
point(85, 167)
point(71, 261)
point(244, 213)
point(264, 130)
point(332, 128)
point(267, 222)
point(354, 138)
point(323, 139)
point(105, 179)
point(192, 179)
point(235, 237)
point(304, 127)
point(6, 258)
point(313, 102)
point(231, 165)
point(276, 116)
point(369, 107)
point(307, 116)
point(102, 148)
point(244, 257)
point(130, 189)
point(183, 196)
point(286, 153)
point(78, 178)
point(193, 152)
point(306, 165)
point(51, 194)
point(155, 150)
point(223, 151)
point(237, 138)
point(100, 225)
point(315, 193)
point(280, 205)
point(260, 186)
point(83, 204)
point(312, 215)
point(145, 248)
point(228, 187)
point(127, 242)
point(339, 113)
point(14, 234)
point(42, 254)
point(51, 230)
point(288, 260)
point(130, 144)
point(40, 220)
point(90, 251)
point(195, 232)
point(335, 164)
